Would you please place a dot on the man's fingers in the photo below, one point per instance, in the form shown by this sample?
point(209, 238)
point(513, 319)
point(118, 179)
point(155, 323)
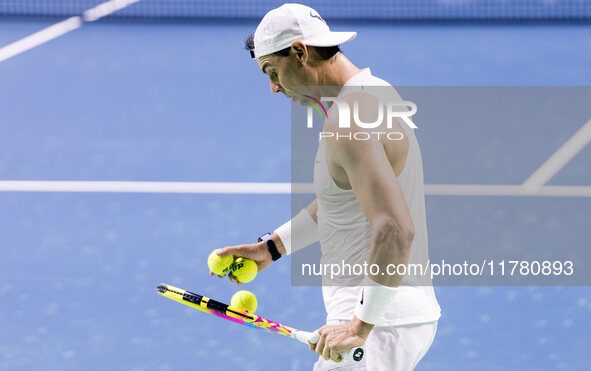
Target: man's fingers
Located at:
point(335, 356)
point(227, 251)
point(326, 351)
point(234, 279)
point(326, 329)
point(213, 274)
point(245, 251)
point(320, 345)
point(313, 340)
point(333, 340)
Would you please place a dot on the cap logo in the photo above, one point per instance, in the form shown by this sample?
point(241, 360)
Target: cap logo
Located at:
point(268, 29)
point(316, 16)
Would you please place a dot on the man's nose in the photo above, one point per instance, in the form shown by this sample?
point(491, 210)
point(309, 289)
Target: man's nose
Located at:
point(275, 88)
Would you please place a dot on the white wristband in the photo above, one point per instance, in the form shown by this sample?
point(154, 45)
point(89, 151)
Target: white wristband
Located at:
point(299, 232)
point(374, 300)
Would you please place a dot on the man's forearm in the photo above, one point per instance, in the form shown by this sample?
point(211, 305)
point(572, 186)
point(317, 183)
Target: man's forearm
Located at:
point(299, 232)
point(390, 246)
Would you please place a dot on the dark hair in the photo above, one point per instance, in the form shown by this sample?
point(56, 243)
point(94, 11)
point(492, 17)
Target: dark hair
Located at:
point(249, 42)
point(325, 52)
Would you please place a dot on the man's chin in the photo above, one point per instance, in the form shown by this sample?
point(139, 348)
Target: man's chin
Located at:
point(302, 101)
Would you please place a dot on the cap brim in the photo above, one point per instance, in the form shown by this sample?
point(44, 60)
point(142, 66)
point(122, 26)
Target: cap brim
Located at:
point(330, 39)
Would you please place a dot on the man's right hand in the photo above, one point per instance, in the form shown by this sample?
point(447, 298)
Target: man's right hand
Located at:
point(258, 252)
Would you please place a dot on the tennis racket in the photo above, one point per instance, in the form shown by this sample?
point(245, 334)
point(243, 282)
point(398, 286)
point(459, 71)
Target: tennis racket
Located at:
point(230, 313)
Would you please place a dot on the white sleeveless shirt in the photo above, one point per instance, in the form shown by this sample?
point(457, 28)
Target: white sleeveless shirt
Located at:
point(346, 235)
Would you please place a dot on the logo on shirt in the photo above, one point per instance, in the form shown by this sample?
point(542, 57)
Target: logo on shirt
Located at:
point(362, 293)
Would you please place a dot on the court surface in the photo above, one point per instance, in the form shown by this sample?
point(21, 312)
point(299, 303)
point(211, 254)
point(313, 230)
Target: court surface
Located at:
point(116, 101)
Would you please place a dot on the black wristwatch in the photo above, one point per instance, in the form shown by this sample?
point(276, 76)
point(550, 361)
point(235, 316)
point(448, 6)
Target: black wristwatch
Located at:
point(270, 245)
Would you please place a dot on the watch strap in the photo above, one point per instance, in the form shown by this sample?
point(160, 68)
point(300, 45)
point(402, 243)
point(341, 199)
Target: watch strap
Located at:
point(275, 254)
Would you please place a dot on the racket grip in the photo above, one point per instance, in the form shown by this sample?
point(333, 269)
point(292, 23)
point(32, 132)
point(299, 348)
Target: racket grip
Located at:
point(353, 354)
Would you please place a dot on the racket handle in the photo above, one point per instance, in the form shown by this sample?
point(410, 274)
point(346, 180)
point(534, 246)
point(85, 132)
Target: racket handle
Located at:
point(353, 354)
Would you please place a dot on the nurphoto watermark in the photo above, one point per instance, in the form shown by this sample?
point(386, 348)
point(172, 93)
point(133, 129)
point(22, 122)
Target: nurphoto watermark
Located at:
point(362, 115)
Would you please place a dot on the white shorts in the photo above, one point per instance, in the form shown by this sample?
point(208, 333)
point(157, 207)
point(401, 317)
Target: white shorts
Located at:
point(388, 348)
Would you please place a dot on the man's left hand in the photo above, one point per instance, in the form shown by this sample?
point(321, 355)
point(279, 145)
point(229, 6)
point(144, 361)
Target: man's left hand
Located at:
point(335, 339)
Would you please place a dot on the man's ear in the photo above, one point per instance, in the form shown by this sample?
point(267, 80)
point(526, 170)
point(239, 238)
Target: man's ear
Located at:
point(300, 50)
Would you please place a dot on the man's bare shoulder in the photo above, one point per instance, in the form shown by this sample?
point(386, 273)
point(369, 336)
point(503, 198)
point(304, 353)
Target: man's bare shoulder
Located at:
point(365, 132)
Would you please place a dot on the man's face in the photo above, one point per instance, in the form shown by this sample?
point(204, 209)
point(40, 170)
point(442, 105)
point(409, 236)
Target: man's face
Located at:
point(284, 73)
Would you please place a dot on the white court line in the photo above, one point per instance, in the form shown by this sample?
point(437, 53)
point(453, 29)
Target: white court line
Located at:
point(40, 37)
point(106, 8)
point(62, 28)
point(271, 188)
point(505, 190)
point(142, 187)
point(559, 159)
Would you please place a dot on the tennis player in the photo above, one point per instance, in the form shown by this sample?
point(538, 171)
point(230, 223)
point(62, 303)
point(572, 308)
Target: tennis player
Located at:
point(370, 200)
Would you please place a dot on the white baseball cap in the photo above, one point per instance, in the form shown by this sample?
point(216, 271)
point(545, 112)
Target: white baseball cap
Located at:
point(290, 22)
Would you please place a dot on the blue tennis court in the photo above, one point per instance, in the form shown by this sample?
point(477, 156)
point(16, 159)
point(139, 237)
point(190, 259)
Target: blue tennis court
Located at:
point(181, 101)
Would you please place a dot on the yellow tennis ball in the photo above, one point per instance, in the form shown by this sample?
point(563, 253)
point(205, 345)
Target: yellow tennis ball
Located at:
point(245, 270)
point(218, 264)
point(244, 300)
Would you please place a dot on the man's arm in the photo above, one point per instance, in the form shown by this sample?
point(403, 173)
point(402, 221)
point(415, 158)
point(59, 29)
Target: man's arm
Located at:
point(312, 209)
point(376, 187)
point(370, 175)
point(259, 252)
